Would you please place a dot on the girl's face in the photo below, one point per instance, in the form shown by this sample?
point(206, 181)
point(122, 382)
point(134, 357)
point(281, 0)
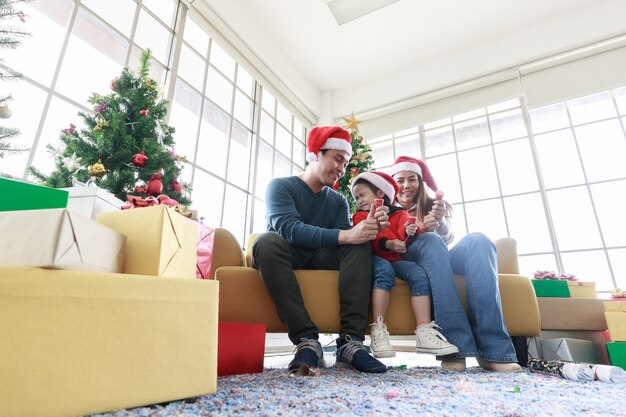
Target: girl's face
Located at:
point(364, 196)
point(409, 186)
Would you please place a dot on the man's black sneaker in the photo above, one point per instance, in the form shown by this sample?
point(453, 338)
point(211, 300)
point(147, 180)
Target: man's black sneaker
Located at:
point(352, 354)
point(309, 356)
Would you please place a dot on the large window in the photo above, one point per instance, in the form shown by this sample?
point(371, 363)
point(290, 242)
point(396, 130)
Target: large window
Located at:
point(551, 177)
point(228, 126)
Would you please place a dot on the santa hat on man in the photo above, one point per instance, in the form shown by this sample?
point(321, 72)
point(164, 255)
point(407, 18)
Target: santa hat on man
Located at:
point(406, 163)
point(328, 137)
point(382, 181)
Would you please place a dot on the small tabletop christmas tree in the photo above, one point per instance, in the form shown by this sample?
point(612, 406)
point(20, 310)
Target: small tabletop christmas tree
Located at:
point(126, 146)
point(361, 161)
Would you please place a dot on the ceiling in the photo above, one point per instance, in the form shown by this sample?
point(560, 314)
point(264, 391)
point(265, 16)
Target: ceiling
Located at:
point(407, 35)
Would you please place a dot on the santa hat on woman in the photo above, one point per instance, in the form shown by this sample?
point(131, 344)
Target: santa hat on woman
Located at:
point(406, 163)
point(328, 137)
point(382, 181)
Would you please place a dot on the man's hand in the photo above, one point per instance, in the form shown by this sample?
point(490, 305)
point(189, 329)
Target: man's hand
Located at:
point(361, 233)
point(396, 245)
point(380, 214)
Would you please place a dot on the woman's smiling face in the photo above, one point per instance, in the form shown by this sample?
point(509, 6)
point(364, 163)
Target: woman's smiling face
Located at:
point(409, 185)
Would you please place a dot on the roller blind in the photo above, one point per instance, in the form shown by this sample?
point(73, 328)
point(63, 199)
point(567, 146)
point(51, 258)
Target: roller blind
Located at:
point(577, 78)
point(433, 107)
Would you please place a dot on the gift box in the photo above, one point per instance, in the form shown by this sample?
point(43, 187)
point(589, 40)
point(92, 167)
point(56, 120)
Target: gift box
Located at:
point(615, 314)
point(59, 238)
point(617, 353)
point(206, 238)
point(18, 195)
point(597, 337)
point(91, 201)
point(571, 313)
point(159, 241)
point(76, 343)
point(551, 288)
point(566, 349)
point(581, 289)
point(240, 348)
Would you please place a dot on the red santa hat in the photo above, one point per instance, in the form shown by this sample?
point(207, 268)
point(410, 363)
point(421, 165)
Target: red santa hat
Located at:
point(328, 137)
point(406, 163)
point(384, 182)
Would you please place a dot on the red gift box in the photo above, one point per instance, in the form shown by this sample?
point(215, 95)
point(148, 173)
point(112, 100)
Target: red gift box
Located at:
point(206, 237)
point(240, 348)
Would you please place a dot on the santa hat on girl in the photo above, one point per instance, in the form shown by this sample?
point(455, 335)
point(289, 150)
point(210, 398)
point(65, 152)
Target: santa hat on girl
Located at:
point(406, 163)
point(328, 137)
point(382, 181)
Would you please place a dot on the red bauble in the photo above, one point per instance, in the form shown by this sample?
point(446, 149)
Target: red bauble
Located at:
point(143, 112)
point(140, 159)
point(154, 186)
point(176, 187)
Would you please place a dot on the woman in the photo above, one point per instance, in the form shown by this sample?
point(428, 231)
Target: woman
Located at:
point(481, 333)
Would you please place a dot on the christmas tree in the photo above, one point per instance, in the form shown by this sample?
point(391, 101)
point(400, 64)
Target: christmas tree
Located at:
point(126, 147)
point(361, 161)
point(10, 37)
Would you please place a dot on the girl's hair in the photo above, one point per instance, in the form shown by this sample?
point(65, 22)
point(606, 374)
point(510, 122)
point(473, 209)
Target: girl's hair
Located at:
point(424, 203)
point(374, 188)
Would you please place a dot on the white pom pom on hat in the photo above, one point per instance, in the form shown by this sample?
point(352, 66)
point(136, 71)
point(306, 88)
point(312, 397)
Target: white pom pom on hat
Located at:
point(328, 137)
point(406, 163)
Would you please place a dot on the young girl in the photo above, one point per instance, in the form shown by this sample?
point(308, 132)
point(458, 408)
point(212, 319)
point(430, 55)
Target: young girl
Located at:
point(388, 262)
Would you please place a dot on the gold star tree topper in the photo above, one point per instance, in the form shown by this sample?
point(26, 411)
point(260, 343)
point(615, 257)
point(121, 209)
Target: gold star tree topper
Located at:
point(352, 122)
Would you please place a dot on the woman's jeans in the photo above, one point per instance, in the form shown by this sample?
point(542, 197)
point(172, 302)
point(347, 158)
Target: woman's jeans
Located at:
point(385, 273)
point(482, 332)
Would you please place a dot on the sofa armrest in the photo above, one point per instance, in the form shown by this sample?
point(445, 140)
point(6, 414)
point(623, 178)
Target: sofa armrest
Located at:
point(507, 256)
point(226, 251)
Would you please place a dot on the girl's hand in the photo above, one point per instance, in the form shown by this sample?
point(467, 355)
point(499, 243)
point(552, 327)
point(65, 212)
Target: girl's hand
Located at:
point(380, 215)
point(396, 245)
point(411, 228)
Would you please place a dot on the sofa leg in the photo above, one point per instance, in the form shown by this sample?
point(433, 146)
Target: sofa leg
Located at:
point(521, 349)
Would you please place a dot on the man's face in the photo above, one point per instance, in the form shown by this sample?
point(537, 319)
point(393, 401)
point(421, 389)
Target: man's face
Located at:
point(331, 165)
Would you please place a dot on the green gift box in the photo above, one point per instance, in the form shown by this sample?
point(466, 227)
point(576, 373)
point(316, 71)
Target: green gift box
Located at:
point(617, 353)
point(18, 195)
point(551, 288)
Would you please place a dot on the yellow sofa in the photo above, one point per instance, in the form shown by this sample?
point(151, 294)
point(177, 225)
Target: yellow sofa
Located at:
point(243, 297)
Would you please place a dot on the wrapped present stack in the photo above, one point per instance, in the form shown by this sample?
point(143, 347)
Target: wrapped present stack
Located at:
point(572, 320)
point(99, 315)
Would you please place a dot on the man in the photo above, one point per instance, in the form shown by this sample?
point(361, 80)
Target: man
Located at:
point(309, 228)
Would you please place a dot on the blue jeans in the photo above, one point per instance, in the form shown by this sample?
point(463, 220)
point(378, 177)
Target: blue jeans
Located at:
point(385, 273)
point(482, 332)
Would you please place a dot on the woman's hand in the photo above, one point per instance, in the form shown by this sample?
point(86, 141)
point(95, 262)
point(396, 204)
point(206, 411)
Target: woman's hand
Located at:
point(438, 210)
point(430, 223)
point(396, 245)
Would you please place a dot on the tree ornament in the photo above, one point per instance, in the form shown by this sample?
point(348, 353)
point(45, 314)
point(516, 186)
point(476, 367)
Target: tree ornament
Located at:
point(140, 190)
point(352, 123)
point(96, 170)
point(139, 159)
point(155, 185)
point(143, 112)
point(5, 112)
point(163, 199)
point(113, 84)
point(176, 187)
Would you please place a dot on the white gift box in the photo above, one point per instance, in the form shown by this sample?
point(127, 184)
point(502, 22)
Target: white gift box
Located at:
point(91, 201)
point(567, 349)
